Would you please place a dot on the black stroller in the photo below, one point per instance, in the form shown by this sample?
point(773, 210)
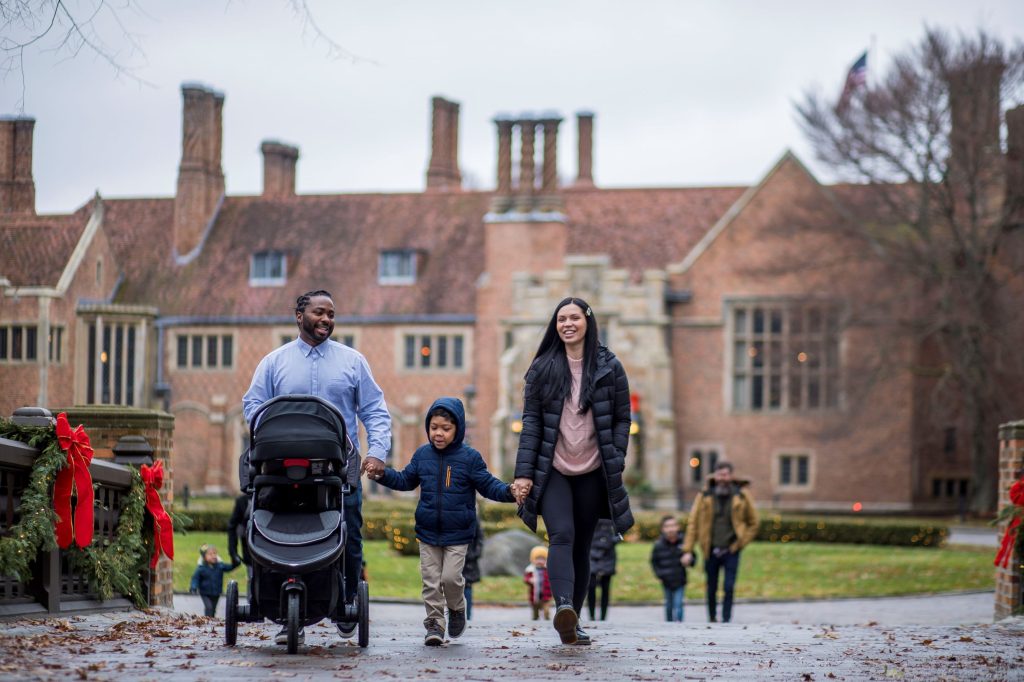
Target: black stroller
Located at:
point(296, 533)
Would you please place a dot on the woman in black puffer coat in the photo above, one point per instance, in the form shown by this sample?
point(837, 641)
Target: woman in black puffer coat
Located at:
point(572, 452)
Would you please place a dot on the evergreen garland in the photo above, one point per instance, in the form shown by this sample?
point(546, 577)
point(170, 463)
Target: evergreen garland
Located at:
point(109, 566)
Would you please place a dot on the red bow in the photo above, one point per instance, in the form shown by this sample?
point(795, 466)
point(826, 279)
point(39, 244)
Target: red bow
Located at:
point(163, 527)
point(74, 475)
point(1010, 536)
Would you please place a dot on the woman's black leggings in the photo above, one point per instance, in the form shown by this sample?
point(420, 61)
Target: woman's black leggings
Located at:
point(571, 506)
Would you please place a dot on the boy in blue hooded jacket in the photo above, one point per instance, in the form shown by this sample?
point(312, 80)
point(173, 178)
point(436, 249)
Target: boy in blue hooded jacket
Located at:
point(448, 473)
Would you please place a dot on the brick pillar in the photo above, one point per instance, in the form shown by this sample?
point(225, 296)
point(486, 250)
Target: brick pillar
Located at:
point(549, 173)
point(1011, 468)
point(527, 172)
point(278, 169)
point(200, 176)
point(17, 188)
point(504, 190)
point(106, 425)
point(585, 149)
point(453, 146)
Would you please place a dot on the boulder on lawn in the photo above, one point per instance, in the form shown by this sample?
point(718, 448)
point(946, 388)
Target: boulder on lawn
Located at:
point(508, 552)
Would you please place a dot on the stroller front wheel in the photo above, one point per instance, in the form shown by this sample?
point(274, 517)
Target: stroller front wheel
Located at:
point(294, 624)
point(231, 614)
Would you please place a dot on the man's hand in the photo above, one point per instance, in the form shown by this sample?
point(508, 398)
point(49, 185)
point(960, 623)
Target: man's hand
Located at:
point(373, 468)
point(687, 559)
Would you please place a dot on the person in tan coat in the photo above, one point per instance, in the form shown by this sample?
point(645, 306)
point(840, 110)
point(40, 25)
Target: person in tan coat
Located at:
point(722, 522)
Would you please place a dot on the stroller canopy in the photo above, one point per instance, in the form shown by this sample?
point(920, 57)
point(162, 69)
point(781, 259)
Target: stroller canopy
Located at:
point(301, 426)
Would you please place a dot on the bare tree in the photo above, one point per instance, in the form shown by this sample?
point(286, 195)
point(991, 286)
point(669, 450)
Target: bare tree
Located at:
point(67, 29)
point(930, 204)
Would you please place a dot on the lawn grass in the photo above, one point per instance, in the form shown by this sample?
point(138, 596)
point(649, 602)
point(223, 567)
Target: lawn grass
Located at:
point(767, 571)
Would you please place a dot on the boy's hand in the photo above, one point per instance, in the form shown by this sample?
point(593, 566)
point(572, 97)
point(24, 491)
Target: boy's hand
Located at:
point(521, 488)
point(687, 559)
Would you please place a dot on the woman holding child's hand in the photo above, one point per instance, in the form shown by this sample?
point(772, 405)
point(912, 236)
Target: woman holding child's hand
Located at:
point(572, 451)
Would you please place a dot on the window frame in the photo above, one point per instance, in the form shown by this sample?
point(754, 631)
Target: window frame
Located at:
point(28, 343)
point(256, 280)
point(457, 350)
point(401, 256)
point(226, 345)
point(706, 468)
point(795, 455)
point(770, 355)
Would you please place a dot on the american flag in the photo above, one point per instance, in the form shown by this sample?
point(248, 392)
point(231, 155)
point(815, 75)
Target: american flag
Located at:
point(856, 78)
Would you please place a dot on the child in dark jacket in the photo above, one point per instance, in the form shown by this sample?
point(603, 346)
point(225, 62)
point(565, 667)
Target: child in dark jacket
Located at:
point(667, 562)
point(208, 578)
point(449, 474)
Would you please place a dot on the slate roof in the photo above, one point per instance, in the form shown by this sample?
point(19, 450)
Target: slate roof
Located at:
point(34, 250)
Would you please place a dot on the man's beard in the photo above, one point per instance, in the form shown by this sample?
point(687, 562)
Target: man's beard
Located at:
point(723, 489)
point(310, 328)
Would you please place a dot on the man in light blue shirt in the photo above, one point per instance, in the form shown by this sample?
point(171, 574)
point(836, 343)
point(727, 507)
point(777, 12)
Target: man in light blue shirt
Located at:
point(314, 365)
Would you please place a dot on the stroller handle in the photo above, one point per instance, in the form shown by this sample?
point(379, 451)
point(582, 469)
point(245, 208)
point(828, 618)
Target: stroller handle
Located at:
point(300, 398)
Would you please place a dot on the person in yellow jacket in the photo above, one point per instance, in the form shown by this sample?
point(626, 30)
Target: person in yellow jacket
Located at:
point(722, 521)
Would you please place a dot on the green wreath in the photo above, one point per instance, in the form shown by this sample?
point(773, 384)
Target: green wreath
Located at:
point(110, 566)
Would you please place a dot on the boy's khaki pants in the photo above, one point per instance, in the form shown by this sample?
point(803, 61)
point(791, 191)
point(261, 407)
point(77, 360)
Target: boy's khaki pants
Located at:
point(441, 568)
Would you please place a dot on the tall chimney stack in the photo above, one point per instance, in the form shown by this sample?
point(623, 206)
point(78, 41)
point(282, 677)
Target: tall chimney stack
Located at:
point(17, 188)
point(443, 171)
point(279, 161)
point(585, 137)
point(200, 176)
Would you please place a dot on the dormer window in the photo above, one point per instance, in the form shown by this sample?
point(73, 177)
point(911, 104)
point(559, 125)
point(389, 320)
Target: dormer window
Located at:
point(397, 267)
point(268, 269)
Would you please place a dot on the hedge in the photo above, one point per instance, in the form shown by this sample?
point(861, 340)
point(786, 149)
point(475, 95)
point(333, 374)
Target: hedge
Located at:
point(395, 524)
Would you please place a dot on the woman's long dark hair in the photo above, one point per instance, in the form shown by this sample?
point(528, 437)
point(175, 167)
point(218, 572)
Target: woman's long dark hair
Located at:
point(552, 379)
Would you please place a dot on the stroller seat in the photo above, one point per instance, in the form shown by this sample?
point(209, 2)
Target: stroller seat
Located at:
point(296, 529)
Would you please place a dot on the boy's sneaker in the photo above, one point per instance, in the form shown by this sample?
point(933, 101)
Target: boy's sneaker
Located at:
point(346, 630)
point(565, 622)
point(435, 632)
point(282, 637)
point(456, 623)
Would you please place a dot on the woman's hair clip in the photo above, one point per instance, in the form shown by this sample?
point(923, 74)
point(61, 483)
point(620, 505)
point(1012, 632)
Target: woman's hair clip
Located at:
point(589, 312)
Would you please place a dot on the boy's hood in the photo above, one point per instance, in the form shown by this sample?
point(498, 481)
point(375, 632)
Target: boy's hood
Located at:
point(454, 406)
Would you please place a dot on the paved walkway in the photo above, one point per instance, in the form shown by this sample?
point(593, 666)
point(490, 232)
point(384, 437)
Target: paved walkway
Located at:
point(943, 637)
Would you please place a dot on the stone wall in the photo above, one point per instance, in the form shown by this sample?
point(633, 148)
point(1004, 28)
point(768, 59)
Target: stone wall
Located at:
point(1011, 467)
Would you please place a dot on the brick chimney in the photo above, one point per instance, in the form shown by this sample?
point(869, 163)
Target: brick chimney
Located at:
point(525, 195)
point(585, 147)
point(200, 176)
point(17, 188)
point(443, 171)
point(279, 161)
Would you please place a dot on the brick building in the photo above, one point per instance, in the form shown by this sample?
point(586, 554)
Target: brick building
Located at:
point(171, 302)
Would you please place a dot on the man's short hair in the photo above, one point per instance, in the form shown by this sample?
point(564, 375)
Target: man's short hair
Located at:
point(724, 465)
point(302, 301)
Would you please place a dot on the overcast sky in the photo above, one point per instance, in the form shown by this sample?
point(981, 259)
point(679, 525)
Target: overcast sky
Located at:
point(684, 92)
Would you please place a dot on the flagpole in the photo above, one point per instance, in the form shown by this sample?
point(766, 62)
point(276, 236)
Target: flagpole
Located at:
point(872, 63)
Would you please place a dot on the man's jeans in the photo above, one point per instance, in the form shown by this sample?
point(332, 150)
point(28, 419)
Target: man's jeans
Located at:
point(674, 603)
point(731, 563)
point(354, 542)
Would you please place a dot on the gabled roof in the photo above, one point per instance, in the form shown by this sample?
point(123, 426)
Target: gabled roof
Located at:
point(643, 228)
point(34, 249)
point(330, 242)
point(333, 242)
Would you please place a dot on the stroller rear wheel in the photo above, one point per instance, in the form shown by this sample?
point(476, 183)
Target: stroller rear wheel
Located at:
point(231, 614)
point(294, 623)
point(363, 604)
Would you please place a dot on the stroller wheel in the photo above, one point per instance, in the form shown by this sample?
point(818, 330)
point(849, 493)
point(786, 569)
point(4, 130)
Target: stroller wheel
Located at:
point(363, 604)
point(231, 614)
point(294, 624)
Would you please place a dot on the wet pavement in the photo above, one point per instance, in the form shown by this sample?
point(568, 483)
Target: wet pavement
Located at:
point(947, 637)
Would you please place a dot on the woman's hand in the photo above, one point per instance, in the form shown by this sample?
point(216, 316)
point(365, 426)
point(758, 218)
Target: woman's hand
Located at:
point(521, 488)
